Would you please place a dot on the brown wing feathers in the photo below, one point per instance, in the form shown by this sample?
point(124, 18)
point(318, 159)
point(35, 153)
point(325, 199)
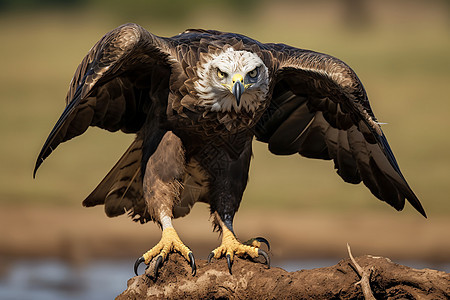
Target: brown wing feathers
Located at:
point(104, 90)
point(118, 84)
point(319, 109)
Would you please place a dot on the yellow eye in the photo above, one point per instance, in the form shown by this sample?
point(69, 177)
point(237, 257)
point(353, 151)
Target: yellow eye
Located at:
point(221, 74)
point(253, 73)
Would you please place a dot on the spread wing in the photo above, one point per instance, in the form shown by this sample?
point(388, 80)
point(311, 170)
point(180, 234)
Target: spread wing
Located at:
point(123, 79)
point(320, 109)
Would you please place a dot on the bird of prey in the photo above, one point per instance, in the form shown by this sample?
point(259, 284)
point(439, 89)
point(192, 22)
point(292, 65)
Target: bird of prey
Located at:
point(195, 102)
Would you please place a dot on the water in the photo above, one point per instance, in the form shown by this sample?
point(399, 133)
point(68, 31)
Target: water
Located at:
point(54, 279)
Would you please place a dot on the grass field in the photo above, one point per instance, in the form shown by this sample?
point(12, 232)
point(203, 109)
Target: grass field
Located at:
point(402, 59)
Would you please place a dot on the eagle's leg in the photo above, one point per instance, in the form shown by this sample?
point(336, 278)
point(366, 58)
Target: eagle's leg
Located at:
point(230, 246)
point(170, 242)
point(228, 165)
point(162, 189)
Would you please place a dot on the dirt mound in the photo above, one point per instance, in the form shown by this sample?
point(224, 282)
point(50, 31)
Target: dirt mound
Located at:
point(252, 280)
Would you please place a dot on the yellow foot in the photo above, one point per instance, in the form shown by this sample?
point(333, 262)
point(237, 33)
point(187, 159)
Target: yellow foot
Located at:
point(170, 242)
point(231, 246)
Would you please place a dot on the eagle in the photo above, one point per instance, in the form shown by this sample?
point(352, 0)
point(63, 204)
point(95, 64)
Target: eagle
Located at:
point(195, 102)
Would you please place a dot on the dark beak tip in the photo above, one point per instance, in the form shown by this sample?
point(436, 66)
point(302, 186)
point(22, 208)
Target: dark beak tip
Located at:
point(238, 89)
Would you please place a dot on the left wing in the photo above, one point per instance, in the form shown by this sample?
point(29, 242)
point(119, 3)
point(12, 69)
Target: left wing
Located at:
point(122, 78)
point(319, 109)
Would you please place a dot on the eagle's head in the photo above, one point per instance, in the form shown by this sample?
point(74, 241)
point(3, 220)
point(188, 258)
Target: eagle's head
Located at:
point(232, 80)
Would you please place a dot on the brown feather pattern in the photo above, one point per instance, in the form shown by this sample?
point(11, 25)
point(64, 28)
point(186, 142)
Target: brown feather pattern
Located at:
point(136, 82)
point(342, 123)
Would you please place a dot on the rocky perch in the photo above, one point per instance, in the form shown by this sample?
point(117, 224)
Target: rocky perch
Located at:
point(366, 277)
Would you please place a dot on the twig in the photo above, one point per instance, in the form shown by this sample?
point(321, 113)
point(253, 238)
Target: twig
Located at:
point(365, 277)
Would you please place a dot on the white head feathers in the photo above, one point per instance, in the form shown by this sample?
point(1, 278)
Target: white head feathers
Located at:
point(216, 78)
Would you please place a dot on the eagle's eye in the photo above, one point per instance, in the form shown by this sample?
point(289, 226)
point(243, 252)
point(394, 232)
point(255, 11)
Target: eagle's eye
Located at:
point(221, 74)
point(253, 73)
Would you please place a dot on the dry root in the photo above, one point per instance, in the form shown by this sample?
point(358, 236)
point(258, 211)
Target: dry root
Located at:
point(364, 275)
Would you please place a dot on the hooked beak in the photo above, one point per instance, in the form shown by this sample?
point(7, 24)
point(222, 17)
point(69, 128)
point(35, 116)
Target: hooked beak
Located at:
point(238, 87)
point(237, 90)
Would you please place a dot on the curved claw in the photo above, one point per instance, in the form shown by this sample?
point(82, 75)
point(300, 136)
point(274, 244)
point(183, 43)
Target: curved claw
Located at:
point(263, 240)
point(210, 256)
point(192, 262)
point(137, 263)
point(158, 265)
point(229, 263)
point(264, 254)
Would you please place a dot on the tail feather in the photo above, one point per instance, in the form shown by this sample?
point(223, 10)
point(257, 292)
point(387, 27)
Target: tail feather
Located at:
point(121, 189)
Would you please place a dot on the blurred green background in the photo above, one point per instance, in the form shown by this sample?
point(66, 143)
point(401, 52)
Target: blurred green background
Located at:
point(399, 49)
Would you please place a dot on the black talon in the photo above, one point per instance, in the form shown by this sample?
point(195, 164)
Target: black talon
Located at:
point(210, 256)
point(263, 240)
point(137, 263)
point(229, 263)
point(192, 262)
point(264, 254)
point(157, 265)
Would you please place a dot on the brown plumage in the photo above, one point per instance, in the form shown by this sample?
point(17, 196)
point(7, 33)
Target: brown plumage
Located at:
point(194, 134)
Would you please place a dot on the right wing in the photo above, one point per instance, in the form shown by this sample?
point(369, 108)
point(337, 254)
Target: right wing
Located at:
point(123, 77)
point(319, 109)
